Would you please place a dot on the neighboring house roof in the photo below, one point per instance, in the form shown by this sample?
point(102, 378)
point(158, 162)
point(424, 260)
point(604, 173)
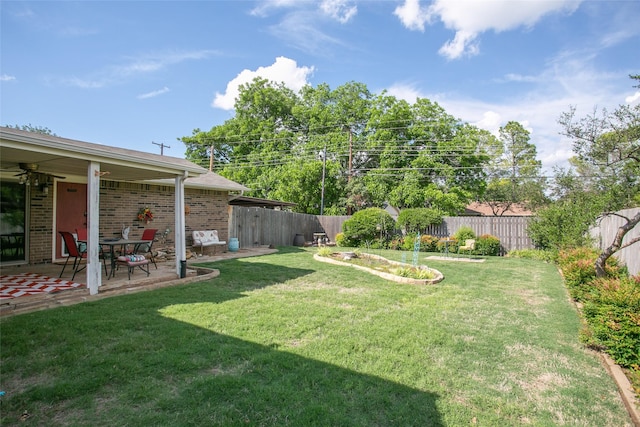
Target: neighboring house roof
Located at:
point(484, 209)
point(258, 203)
point(62, 156)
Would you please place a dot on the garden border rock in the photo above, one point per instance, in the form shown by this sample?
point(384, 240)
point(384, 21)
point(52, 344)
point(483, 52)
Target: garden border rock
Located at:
point(388, 276)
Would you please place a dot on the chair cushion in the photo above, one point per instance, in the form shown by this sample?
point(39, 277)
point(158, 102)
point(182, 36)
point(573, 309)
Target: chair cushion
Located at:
point(131, 258)
point(206, 237)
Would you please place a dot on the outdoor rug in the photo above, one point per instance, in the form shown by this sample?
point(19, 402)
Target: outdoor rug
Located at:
point(17, 285)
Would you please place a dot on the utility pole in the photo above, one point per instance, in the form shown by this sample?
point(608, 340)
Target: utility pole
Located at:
point(211, 159)
point(350, 153)
point(162, 145)
point(324, 168)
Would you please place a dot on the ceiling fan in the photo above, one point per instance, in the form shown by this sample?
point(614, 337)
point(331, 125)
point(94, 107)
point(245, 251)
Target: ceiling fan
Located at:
point(30, 174)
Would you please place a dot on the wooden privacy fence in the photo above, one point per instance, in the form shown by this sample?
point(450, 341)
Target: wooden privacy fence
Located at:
point(606, 231)
point(258, 226)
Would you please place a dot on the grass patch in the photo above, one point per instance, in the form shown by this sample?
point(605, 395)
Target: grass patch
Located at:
point(284, 340)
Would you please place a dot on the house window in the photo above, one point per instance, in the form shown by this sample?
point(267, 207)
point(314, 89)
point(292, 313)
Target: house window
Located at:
point(12, 221)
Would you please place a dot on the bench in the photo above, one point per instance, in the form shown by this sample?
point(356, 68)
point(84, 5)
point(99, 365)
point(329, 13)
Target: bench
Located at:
point(133, 261)
point(204, 238)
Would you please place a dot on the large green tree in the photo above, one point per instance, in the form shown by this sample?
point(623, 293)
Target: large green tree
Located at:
point(514, 171)
point(378, 149)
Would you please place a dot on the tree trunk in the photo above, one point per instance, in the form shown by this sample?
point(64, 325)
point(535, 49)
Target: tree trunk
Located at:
point(615, 245)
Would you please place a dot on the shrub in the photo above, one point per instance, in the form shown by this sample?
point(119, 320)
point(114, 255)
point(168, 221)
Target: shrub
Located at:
point(616, 329)
point(372, 225)
point(418, 219)
point(577, 275)
point(396, 244)
point(487, 245)
point(342, 241)
point(428, 243)
point(611, 307)
point(324, 251)
point(463, 233)
point(452, 245)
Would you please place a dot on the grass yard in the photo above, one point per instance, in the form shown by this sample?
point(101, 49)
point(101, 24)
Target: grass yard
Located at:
point(285, 340)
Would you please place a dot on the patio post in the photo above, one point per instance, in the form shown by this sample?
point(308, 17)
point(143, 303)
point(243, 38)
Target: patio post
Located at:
point(181, 250)
point(94, 276)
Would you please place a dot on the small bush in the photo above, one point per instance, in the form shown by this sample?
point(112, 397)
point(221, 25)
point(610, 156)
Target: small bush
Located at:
point(452, 245)
point(324, 251)
point(487, 245)
point(611, 306)
point(372, 225)
point(617, 330)
point(463, 233)
point(418, 219)
point(396, 244)
point(428, 243)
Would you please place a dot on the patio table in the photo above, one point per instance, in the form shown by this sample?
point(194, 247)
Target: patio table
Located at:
point(113, 243)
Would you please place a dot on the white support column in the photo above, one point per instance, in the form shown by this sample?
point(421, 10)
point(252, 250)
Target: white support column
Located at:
point(94, 276)
point(181, 246)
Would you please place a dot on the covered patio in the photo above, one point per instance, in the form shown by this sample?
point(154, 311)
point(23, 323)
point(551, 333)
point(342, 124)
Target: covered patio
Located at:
point(37, 162)
point(40, 287)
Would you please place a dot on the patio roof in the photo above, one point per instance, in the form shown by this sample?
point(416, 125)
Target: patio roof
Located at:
point(209, 181)
point(62, 156)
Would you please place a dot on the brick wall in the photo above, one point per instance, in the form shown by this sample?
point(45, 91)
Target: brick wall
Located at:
point(119, 205)
point(40, 227)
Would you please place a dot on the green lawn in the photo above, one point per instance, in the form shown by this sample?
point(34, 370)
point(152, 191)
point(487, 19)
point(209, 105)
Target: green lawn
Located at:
point(285, 340)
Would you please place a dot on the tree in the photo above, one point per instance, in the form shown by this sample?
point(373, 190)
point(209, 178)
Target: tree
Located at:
point(378, 149)
point(514, 171)
point(37, 129)
point(610, 143)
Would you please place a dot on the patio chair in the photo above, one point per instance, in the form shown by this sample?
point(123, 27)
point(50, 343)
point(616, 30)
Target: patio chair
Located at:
point(72, 251)
point(82, 237)
point(469, 246)
point(146, 248)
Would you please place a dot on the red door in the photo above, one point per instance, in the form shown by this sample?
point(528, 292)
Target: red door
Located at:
point(71, 210)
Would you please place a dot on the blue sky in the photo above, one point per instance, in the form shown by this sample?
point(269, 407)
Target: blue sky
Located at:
point(129, 73)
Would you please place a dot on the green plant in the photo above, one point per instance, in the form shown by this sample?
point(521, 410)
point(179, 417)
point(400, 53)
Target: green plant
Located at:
point(487, 245)
point(373, 224)
point(428, 243)
point(450, 244)
point(463, 233)
point(324, 251)
point(415, 220)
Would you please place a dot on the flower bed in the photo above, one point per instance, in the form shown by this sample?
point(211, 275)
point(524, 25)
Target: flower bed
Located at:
point(382, 267)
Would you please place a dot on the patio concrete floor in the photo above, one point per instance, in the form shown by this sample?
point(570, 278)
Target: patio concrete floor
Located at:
point(165, 275)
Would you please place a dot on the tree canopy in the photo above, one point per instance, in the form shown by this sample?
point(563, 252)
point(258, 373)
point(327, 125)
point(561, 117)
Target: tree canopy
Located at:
point(373, 149)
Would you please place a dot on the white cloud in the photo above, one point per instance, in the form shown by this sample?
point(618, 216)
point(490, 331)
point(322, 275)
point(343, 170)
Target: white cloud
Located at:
point(154, 93)
point(470, 18)
point(633, 98)
point(412, 15)
point(6, 78)
point(570, 79)
point(490, 121)
point(134, 67)
point(340, 10)
point(404, 91)
point(283, 70)
point(300, 30)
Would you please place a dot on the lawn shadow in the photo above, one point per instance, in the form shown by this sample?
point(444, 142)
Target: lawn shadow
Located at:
point(87, 367)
